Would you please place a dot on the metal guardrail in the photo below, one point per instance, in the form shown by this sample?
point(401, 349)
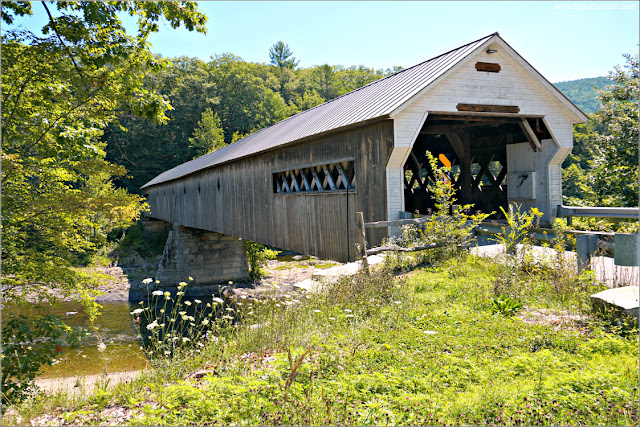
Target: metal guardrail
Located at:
point(596, 212)
point(586, 244)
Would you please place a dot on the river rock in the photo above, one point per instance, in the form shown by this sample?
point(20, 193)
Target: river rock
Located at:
point(623, 300)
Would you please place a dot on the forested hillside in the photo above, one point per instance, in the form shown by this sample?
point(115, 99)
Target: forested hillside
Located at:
point(582, 92)
point(214, 103)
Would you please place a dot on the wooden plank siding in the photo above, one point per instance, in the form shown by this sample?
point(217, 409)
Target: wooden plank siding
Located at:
point(237, 198)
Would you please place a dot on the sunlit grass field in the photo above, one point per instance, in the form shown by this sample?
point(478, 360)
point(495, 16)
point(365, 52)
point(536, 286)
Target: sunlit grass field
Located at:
point(426, 347)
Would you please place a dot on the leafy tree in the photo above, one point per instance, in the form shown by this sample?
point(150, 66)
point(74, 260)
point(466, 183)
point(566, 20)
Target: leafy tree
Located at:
point(281, 56)
point(208, 135)
point(58, 94)
point(133, 140)
point(326, 82)
point(616, 152)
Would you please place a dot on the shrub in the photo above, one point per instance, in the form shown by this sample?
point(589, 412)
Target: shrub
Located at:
point(27, 345)
point(258, 255)
point(450, 225)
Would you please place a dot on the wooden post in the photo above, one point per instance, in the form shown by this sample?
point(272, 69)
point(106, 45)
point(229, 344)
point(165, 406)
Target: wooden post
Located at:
point(363, 242)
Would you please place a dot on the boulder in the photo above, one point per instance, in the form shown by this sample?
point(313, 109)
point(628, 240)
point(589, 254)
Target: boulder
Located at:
point(623, 300)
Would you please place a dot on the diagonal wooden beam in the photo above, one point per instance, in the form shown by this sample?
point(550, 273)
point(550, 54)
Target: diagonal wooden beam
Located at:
point(530, 135)
point(327, 174)
point(294, 180)
point(343, 176)
point(286, 184)
point(305, 181)
point(316, 178)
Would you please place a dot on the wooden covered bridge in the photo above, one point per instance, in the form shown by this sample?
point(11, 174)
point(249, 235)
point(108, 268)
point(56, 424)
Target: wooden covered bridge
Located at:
point(297, 184)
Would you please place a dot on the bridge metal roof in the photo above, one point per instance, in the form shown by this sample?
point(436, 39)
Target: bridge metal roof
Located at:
point(375, 100)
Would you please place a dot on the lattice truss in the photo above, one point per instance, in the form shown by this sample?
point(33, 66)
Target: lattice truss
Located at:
point(484, 172)
point(321, 178)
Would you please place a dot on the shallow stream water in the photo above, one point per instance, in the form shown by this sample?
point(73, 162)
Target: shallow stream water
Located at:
point(114, 328)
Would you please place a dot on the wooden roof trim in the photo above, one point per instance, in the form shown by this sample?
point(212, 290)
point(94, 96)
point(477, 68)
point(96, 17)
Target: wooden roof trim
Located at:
point(580, 116)
point(397, 110)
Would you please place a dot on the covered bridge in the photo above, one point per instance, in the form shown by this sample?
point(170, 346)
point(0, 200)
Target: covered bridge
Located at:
point(298, 184)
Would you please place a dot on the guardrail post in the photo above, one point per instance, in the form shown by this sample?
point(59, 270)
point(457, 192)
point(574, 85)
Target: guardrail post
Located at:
point(363, 241)
point(625, 250)
point(586, 246)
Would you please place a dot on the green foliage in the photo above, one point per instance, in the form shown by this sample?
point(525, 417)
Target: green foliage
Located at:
point(58, 94)
point(170, 326)
point(208, 136)
point(258, 255)
point(450, 225)
point(145, 243)
point(583, 92)
point(425, 351)
point(603, 167)
point(519, 227)
point(25, 351)
point(281, 56)
point(616, 155)
point(505, 306)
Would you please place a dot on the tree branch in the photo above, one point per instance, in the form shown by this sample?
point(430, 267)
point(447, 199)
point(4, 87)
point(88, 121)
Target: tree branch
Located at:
point(55, 29)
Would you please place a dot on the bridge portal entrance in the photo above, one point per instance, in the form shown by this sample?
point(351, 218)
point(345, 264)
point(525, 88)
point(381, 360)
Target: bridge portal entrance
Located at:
point(474, 148)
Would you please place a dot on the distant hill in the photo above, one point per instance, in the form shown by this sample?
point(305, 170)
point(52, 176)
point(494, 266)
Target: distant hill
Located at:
point(581, 92)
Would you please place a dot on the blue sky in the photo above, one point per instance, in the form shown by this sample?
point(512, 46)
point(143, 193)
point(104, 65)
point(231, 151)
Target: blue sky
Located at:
point(563, 40)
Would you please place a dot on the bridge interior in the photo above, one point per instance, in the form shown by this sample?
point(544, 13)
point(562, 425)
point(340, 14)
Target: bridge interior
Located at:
point(474, 148)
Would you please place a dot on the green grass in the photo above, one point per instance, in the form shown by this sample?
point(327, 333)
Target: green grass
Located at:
point(382, 350)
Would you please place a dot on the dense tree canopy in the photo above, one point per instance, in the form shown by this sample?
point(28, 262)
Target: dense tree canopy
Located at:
point(59, 92)
point(603, 167)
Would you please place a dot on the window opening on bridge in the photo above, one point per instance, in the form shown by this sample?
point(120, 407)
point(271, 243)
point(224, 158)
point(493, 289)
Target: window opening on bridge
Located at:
point(326, 178)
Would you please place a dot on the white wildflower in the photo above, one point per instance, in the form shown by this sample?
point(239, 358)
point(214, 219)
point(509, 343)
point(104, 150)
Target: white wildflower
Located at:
point(205, 322)
point(208, 305)
point(137, 311)
point(218, 300)
point(152, 325)
point(167, 294)
point(157, 293)
point(147, 280)
point(102, 347)
point(347, 310)
point(182, 313)
point(197, 301)
point(349, 315)
point(200, 344)
point(182, 284)
point(190, 279)
point(317, 311)
point(179, 294)
point(397, 302)
point(187, 303)
point(185, 339)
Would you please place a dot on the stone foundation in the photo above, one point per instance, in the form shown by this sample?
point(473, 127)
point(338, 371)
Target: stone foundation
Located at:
point(206, 256)
point(154, 225)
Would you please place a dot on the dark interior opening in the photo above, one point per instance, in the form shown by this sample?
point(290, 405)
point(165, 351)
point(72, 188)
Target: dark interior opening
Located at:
point(475, 146)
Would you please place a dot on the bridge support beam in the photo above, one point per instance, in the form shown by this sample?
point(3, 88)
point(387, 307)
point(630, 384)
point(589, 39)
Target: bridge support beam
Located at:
point(208, 257)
